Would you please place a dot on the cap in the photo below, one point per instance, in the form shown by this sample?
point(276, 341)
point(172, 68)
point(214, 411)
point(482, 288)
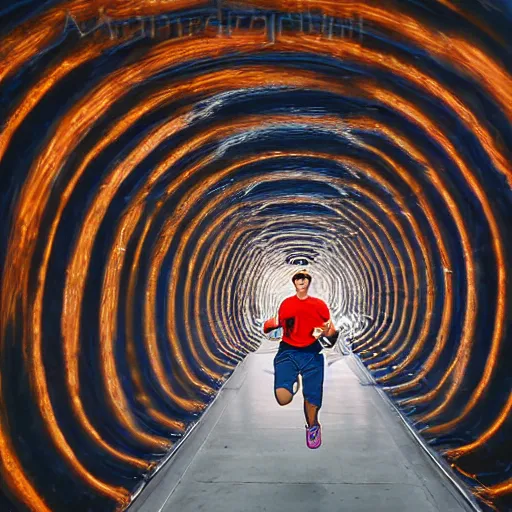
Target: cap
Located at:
point(304, 274)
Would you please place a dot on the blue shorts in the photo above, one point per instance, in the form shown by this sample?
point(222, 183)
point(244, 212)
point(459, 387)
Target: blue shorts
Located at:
point(288, 364)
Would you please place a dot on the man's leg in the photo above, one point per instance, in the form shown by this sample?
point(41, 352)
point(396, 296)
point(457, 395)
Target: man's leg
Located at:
point(313, 375)
point(283, 396)
point(285, 375)
point(313, 383)
point(311, 413)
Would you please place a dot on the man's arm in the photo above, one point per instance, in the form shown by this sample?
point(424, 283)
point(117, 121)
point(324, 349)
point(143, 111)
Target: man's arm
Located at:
point(327, 328)
point(277, 321)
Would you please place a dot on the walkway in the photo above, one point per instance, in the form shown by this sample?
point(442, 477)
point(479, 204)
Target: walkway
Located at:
point(248, 454)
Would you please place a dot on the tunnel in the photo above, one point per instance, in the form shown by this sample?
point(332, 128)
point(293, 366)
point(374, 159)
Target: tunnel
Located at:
point(167, 166)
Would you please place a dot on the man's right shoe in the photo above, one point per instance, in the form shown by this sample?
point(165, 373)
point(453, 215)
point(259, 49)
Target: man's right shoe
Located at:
point(313, 436)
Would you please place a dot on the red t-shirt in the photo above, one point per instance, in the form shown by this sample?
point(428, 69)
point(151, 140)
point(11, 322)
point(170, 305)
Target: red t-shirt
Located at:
point(298, 318)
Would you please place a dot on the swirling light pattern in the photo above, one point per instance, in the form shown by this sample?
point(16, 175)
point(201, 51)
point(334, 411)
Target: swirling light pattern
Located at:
point(163, 166)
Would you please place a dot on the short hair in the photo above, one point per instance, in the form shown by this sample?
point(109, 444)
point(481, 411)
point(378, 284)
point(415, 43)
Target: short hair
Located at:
point(301, 274)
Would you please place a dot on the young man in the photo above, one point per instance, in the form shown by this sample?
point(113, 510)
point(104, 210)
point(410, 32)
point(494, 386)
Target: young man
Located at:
point(303, 319)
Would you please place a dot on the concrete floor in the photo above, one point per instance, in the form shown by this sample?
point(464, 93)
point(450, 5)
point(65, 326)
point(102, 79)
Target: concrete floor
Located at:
point(248, 454)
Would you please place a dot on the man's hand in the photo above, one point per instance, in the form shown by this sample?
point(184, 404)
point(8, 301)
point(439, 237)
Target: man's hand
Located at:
point(327, 329)
point(270, 325)
point(318, 331)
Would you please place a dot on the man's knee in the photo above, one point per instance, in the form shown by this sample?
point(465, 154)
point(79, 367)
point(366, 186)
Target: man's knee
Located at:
point(283, 396)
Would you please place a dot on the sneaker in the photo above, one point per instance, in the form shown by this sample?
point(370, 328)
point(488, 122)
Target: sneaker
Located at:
point(313, 436)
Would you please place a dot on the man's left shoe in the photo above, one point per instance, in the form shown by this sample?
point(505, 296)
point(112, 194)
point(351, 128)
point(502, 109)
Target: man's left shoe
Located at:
point(313, 436)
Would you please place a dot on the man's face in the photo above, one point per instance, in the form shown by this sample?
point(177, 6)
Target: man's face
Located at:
point(301, 284)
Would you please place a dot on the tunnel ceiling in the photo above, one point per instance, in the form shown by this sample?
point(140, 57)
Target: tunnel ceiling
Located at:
point(165, 168)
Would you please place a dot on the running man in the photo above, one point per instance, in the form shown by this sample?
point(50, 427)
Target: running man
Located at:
point(303, 319)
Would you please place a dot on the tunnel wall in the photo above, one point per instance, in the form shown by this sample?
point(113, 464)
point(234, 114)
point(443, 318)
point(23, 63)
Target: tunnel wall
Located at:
point(162, 170)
